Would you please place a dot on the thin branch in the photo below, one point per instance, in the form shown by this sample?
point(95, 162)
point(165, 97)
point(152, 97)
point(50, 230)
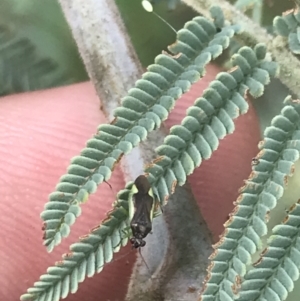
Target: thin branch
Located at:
point(105, 48)
point(253, 34)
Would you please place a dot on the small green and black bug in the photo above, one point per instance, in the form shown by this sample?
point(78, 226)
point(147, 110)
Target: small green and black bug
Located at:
point(141, 210)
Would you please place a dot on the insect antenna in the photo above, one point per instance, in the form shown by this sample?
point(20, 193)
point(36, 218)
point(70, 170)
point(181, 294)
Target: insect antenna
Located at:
point(111, 188)
point(108, 185)
point(140, 251)
point(149, 8)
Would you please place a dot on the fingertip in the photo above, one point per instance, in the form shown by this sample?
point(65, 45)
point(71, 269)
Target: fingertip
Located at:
point(42, 130)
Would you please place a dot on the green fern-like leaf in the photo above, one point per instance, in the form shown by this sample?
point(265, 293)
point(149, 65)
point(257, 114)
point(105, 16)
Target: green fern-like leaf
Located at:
point(86, 257)
point(242, 237)
point(273, 276)
point(220, 103)
point(289, 26)
point(142, 110)
point(209, 120)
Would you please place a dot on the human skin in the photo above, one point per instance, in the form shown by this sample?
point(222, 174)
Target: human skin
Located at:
point(39, 133)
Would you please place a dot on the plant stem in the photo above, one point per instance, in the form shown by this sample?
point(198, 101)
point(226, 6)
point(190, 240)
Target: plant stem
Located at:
point(105, 48)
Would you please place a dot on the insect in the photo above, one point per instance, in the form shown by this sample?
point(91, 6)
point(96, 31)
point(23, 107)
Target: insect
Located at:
point(141, 209)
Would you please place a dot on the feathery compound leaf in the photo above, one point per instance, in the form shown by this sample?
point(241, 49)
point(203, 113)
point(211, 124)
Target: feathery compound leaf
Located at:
point(289, 26)
point(209, 120)
point(142, 110)
point(274, 273)
point(86, 257)
point(247, 224)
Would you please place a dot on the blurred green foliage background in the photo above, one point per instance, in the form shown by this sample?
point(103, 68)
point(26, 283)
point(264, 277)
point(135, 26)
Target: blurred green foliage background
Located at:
point(37, 51)
point(36, 48)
